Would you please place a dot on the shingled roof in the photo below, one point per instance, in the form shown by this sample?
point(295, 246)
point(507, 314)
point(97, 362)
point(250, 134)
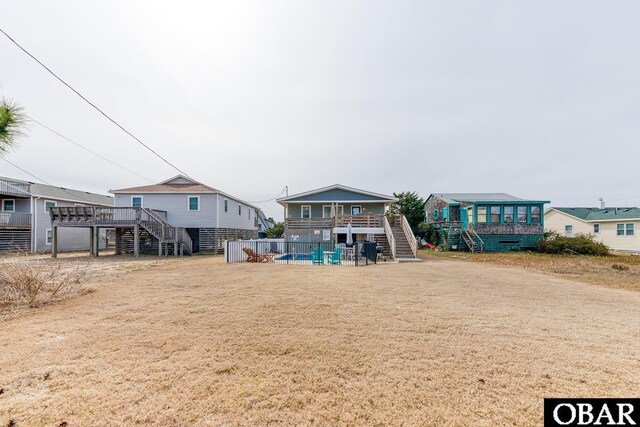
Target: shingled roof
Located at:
point(605, 214)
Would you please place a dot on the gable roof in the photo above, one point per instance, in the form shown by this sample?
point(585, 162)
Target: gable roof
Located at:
point(337, 192)
point(453, 198)
point(179, 184)
point(597, 214)
point(62, 193)
point(176, 184)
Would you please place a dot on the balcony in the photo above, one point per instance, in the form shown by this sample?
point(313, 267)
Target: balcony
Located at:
point(356, 221)
point(13, 188)
point(15, 219)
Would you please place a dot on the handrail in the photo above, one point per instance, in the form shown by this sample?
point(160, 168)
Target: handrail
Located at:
point(14, 188)
point(413, 242)
point(15, 219)
point(479, 239)
point(390, 237)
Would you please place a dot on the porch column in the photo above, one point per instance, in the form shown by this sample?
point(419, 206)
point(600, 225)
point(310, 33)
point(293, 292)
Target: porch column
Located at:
point(92, 242)
point(96, 240)
point(136, 240)
point(54, 243)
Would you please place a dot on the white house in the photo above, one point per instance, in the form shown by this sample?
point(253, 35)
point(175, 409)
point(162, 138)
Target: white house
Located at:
point(209, 216)
point(615, 227)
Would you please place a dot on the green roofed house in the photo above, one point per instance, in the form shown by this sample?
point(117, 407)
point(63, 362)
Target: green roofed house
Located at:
point(616, 227)
point(492, 222)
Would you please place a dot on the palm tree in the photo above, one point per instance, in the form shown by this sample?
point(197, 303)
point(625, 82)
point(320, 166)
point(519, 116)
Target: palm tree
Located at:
point(12, 121)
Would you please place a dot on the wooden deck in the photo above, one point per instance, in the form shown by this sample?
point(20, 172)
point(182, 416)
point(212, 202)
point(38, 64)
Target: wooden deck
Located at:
point(362, 220)
point(15, 219)
point(153, 221)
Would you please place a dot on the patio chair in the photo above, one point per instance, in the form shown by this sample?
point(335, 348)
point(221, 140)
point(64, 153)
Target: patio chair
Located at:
point(318, 256)
point(253, 256)
point(335, 258)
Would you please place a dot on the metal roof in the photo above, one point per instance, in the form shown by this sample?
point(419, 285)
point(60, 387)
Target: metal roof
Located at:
point(310, 196)
point(482, 198)
point(597, 214)
point(62, 193)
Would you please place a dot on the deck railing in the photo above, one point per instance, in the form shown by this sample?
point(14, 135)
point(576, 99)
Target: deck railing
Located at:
point(390, 237)
point(361, 220)
point(15, 219)
point(13, 188)
point(413, 242)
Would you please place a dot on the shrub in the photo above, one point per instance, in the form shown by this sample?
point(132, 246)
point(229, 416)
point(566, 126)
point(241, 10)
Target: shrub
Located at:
point(25, 285)
point(581, 244)
point(429, 233)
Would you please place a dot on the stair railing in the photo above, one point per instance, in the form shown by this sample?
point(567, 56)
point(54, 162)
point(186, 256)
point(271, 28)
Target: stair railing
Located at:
point(408, 233)
point(390, 237)
point(475, 235)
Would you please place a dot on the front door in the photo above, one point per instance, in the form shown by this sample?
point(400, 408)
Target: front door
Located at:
point(463, 218)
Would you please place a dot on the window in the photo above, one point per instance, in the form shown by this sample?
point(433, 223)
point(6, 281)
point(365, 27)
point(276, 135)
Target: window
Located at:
point(49, 204)
point(136, 201)
point(239, 209)
point(305, 211)
point(495, 214)
point(508, 215)
point(356, 210)
point(630, 230)
point(436, 214)
point(248, 213)
point(340, 210)
point(194, 203)
point(625, 229)
point(596, 228)
point(568, 231)
point(9, 205)
point(482, 214)
point(326, 211)
point(49, 237)
point(522, 214)
point(535, 215)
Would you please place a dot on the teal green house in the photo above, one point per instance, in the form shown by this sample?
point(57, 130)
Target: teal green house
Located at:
point(492, 222)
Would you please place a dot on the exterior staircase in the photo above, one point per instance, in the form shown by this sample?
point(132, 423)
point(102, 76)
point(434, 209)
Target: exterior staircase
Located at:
point(147, 219)
point(381, 240)
point(401, 240)
point(472, 240)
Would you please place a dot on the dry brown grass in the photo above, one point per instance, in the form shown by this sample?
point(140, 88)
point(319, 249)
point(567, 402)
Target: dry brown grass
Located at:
point(620, 271)
point(198, 342)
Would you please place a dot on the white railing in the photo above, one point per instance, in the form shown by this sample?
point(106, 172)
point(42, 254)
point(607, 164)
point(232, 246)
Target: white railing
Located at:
point(390, 237)
point(413, 242)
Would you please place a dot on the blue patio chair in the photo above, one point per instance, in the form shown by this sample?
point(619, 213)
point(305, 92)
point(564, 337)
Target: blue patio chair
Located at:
point(335, 258)
point(318, 256)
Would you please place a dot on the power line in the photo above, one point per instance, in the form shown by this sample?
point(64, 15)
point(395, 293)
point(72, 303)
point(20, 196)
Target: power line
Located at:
point(90, 151)
point(265, 201)
point(75, 196)
point(92, 104)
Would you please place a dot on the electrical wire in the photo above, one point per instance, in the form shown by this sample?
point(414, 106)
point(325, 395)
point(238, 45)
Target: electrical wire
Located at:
point(92, 104)
point(75, 196)
point(89, 150)
point(272, 199)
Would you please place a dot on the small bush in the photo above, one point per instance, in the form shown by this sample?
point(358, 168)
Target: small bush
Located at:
point(581, 244)
point(429, 233)
point(620, 267)
point(30, 286)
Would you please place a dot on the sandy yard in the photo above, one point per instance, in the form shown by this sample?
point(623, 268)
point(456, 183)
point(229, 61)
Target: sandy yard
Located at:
point(198, 342)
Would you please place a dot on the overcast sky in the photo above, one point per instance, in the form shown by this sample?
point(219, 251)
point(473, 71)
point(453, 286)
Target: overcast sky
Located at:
point(540, 99)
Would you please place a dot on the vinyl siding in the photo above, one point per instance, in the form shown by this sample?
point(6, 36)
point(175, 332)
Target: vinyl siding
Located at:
point(556, 221)
point(69, 238)
point(295, 211)
point(179, 215)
